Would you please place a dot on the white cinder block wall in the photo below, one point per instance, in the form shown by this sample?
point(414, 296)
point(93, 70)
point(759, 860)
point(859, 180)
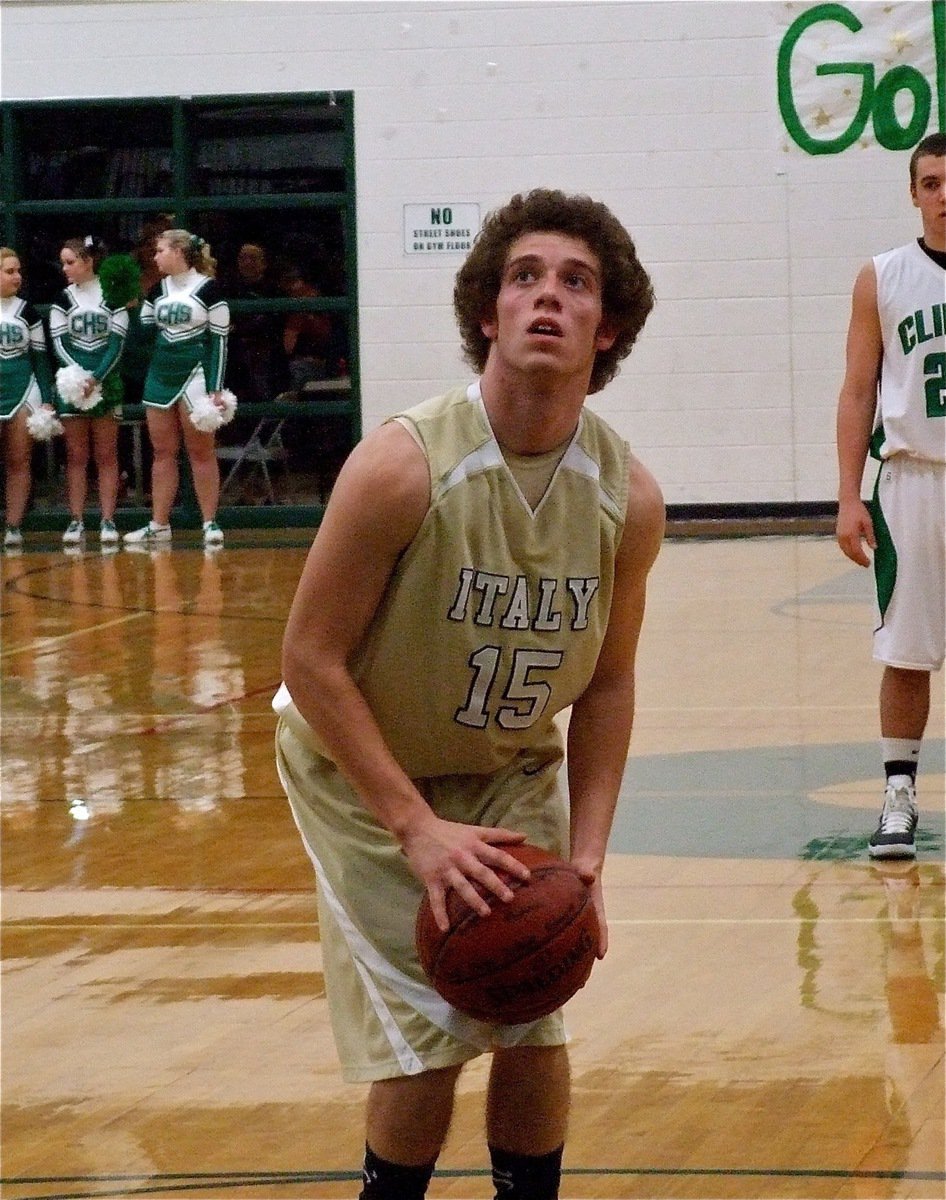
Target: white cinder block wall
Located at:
point(665, 110)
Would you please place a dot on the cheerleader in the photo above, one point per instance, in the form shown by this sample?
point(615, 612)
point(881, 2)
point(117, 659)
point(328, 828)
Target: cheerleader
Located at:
point(88, 336)
point(184, 396)
point(25, 389)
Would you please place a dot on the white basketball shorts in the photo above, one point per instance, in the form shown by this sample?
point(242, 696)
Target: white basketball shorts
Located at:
point(909, 514)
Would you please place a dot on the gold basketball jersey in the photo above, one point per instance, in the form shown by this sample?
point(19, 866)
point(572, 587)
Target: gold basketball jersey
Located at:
point(493, 619)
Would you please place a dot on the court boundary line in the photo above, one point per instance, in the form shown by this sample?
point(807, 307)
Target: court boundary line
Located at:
point(201, 1181)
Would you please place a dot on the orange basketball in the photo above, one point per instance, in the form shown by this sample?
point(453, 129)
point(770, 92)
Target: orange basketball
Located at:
point(527, 957)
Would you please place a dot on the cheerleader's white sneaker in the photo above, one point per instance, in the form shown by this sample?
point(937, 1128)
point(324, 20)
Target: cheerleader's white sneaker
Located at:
point(148, 535)
point(213, 534)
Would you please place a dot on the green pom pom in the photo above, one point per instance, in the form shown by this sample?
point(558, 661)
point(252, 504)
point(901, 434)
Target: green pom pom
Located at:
point(120, 278)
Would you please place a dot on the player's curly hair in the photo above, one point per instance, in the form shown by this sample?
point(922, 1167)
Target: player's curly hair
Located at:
point(627, 294)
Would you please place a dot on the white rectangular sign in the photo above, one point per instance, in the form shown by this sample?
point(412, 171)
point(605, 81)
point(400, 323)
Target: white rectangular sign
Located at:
point(440, 228)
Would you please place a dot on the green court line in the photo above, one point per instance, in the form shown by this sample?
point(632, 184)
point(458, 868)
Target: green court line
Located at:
point(198, 1181)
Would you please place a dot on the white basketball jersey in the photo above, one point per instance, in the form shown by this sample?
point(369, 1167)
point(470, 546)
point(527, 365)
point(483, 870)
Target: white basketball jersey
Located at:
point(911, 302)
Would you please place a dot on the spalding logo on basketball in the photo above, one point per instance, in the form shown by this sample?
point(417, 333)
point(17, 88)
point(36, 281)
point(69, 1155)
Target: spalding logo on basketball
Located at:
point(526, 958)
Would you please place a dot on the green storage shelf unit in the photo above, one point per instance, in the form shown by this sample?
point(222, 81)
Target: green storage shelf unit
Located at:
point(265, 179)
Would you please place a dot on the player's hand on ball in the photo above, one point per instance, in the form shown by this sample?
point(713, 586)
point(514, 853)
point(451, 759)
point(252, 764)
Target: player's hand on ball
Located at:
point(446, 854)
point(525, 958)
point(592, 877)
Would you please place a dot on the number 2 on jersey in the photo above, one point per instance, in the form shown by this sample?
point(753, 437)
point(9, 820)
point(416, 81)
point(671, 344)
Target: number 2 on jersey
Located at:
point(934, 368)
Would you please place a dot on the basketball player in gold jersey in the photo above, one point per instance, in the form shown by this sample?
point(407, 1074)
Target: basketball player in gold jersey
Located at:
point(481, 566)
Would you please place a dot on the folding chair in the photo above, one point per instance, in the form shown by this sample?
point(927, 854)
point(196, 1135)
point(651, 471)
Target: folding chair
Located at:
point(264, 446)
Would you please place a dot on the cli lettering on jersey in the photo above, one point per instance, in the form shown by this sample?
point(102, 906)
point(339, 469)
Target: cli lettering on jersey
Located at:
point(922, 327)
point(862, 73)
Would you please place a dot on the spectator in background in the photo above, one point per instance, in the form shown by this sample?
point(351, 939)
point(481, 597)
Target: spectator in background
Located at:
point(308, 337)
point(143, 253)
point(255, 363)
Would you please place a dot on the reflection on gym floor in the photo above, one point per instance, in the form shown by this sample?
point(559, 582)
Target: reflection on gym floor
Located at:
point(767, 1023)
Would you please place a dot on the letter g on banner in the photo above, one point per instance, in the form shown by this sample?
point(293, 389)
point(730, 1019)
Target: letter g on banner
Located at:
point(898, 103)
point(786, 99)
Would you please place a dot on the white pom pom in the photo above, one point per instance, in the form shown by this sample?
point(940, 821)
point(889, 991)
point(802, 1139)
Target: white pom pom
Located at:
point(71, 382)
point(205, 415)
point(43, 424)
point(229, 402)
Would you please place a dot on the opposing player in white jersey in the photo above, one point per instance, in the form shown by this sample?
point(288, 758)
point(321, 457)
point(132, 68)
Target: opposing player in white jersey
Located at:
point(25, 384)
point(893, 404)
point(88, 333)
point(481, 566)
point(191, 321)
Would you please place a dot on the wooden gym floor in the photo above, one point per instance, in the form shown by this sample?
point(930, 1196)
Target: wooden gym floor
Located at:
point(768, 1022)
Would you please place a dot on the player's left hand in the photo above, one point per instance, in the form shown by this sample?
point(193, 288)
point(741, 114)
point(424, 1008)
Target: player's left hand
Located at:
point(855, 531)
point(593, 880)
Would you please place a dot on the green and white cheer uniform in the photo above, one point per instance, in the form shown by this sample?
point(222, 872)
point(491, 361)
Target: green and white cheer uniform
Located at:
point(191, 322)
point(25, 375)
point(89, 334)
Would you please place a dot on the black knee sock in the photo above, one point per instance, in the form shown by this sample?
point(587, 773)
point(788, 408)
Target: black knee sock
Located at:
point(526, 1176)
point(385, 1180)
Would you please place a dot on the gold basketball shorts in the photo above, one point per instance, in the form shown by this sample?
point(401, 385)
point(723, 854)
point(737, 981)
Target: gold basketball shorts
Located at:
point(387, 1020)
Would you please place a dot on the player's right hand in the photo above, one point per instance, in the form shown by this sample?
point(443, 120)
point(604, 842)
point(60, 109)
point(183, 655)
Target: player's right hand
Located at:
point(855, 530)
point(447, 854)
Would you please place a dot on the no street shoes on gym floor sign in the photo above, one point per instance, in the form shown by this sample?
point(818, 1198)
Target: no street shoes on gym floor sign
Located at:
point(440, 228)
